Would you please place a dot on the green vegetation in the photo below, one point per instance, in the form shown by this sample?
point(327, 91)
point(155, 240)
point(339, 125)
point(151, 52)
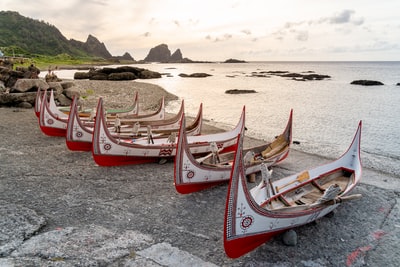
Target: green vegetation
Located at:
point(33, 36)
point(39, 43)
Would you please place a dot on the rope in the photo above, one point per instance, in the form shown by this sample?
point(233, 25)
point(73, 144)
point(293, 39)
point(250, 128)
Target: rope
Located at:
point(330, 193)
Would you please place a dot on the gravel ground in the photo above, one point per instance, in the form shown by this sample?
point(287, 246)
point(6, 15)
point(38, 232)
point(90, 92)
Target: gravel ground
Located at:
point(58, 208)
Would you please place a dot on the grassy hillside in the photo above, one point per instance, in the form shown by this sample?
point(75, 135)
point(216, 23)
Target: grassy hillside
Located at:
point(33, 37)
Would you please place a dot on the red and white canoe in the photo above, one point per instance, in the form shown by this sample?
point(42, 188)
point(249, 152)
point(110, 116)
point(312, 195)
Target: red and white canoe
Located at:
point(80, 133)
point(254, 216)
point(56, 120)
point(110, 151)
point(191, 174)
point(131, 111)
point(52, 122)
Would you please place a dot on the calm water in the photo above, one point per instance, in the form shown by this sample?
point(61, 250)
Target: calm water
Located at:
point(326, 113)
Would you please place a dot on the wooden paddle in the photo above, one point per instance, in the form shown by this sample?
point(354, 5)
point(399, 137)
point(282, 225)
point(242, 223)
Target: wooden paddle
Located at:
point(300, 178)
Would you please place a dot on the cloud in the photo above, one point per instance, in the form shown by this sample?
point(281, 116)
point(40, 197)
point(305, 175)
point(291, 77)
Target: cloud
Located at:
point(220, 38)
point(302, 36)
point(342, 17)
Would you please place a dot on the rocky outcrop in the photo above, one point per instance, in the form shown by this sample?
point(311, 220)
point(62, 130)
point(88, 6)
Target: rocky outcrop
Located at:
point(18, 89)
point(176, 56)
point(92, 46)
point(366, 82)
point(122, 73)
point(240, 91)
point(194, 75)
point(125, 56)
point(232, 60)
point(161, 53)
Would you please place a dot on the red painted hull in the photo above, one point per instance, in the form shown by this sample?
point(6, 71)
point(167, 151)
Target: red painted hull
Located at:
point(50, 131)
point(111, 160)
point(79, 146)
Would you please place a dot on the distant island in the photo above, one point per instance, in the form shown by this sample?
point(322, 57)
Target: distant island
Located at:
point(231, 60)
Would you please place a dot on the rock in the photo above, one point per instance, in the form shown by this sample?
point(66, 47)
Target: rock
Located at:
point(366, 82)
point(123, 76)
point(66, 85)
point(28, 85)
point(148, 74)
point(289, 238)
point(122, 73)
point(52, 77)
point(14, 99)
point(3, 88)
point(17, 223)
point(194, 75)
point(63, 100)
point(71, 92)
point(231, 60)
point(81, 75)
point(176, 56)
point(56, 87)
point(160, 53)
point(24, 105)
point(239, 91)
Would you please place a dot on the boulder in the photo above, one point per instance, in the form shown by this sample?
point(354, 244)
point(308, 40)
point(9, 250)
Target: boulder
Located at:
point(56, 87)
point(366, 82)
point(118, 74)
point(123, 76)
point(28, 85)
point(194, 75)
point(148, 74)
point(14, 99)
point(81, 75)
point(71, 92)
point(66, 85)
point(63, 100)
point(239, 91)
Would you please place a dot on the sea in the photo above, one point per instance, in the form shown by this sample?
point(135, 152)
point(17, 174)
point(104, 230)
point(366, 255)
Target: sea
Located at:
point(326, 112)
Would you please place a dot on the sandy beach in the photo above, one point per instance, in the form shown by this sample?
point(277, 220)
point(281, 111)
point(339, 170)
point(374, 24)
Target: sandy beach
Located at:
point(58, 208)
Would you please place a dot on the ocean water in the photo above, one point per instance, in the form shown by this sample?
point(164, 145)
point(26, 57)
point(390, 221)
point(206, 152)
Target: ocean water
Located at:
point(326, 113)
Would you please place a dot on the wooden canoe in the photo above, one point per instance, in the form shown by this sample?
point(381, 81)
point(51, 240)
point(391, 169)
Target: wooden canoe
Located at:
point(80, 133)
point(193, 174)
point(252, 217)
point(110, 151)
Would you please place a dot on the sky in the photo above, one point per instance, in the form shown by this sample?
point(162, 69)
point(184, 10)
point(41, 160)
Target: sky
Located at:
point(216, 30)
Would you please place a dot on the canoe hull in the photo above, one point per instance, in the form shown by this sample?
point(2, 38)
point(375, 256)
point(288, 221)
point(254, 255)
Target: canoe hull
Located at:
point(251, 217)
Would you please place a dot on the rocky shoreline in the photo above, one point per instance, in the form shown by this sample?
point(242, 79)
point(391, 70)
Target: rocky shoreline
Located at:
point(58, 208)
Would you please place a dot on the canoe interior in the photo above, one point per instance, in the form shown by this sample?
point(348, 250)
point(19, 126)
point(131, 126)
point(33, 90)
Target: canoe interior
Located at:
point(309, 190)
point(261, 153)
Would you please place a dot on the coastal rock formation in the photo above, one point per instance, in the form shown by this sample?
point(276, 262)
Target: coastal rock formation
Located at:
point(162, 54)
point(18, 89)
point(366, 82)
point(122, 73)
point(92, 46)
point(194, 75)
point(176, 56)
point(307, 76)
point(232, 60)
point(240, 91)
